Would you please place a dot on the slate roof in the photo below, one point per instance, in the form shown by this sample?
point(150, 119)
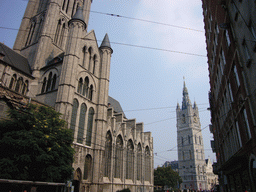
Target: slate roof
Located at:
point(79, 15)
point(106, 43)
point(15, 60)
point(115, 104)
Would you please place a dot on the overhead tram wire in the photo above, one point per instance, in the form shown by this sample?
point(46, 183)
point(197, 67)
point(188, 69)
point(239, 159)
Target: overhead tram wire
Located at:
point(138, 19)
point(130, 45)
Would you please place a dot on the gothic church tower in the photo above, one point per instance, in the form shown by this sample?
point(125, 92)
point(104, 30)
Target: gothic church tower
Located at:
point(190, 145)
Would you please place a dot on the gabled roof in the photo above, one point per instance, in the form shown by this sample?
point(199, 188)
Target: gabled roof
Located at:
point(15, 60)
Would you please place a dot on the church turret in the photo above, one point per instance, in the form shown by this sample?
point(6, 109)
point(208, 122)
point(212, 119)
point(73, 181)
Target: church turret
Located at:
point(67, 83)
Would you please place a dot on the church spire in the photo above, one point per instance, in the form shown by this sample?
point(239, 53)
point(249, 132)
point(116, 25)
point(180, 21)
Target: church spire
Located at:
point(79, 15)
point(185, 101)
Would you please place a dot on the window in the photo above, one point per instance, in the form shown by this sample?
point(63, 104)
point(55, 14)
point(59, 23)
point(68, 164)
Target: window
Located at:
point(118, 157)
point(62, 35)
point(63, 5)
point(80, 134)
point(238, 133)
point(236, 76)
point(57, 32)
point(147, 164)
point(13, 81)
point(227, 37)
point(54, 81)
point(86, 86)
point(108, 155)
point(38, 31)
point(139, 162)
point(19, 84)
point(94, 64)
point(89, 127)
point(246, 124)
point(90, 58)
point(181, 141)
point(87, 167)
point(129, 160)
point(90, 92)
point(247, 56)
point(25, 88)
point(43, 86)
point(73, 116)
point(49, 82)
point(190, 154)
point(80, 85)
point(31, 33)
point(188, 139)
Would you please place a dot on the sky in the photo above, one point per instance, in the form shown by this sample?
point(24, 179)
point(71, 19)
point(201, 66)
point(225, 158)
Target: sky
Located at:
point(156, 44)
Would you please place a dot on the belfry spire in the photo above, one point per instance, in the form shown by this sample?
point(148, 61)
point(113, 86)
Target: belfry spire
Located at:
point(185, 101)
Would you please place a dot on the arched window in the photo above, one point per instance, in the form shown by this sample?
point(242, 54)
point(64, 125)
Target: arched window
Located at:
point(38, 31)
point(31, 33)
point(54, 81)
point(62, 35)
point(195, 140)
point(139, 162)
point(86, 86)
point(89, 127)
point(202, 155)
point(87, 167)
point(90, 58)
point(189, 139)
point(190, 154)
point(196, 154)
point(94, 64)
point(90, 92)
point(13, 81)
point(19, 84)
point(25, 88)
point(147, 164)
point(80, 85)
point(84, 56)
point(183, 155)
point(199, 140)
point(80, 134)
point(57, 32)
point(43, 86)
point(73, 116)
point(108, 155)
point(129, 160)
point(119, 157)
point(49, 82)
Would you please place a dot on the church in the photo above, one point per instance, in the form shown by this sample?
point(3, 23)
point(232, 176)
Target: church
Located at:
point(57, 62)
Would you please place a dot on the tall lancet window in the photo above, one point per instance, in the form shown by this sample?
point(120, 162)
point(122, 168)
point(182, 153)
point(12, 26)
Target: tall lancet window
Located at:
point(90, 92)
point(87, 167)
point(84, 56)
point(62, 35)
point(108, 155)
point(130, 160)
point(80, 86)
point(73, 116)
point(89, 127)
point(31, 33)
point(86, 86)
point(90, 58)
point(147, 164)
point(139, 162)
point(49, 83)
point(57, 32)
point(94, 64)
point(118, 157)
point(80, 134)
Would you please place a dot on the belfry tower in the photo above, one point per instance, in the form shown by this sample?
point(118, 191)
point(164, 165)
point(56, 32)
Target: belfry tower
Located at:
point(190, 145)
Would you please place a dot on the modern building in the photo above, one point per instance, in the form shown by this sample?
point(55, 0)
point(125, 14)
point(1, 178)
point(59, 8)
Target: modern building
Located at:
point(230, 28)
point(174, 165)
point(190, 145)
point(57, 62)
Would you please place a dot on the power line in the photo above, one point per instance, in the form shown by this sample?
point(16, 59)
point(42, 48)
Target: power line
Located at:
point(125, 44)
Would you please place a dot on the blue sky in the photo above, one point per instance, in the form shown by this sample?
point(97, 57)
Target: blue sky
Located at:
point(142, 78)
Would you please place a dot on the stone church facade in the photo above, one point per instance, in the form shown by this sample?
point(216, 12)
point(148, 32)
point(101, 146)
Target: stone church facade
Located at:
point(58, 63)
point(192, 166)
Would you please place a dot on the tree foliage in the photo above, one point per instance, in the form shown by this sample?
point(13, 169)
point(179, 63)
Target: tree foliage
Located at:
point(166, 176)
point(35, 145)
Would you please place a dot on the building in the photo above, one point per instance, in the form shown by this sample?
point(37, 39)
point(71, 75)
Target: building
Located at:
point(174, 165)
point(231, 45)
point(190, 145)
point(56, 62)
point(212, 179)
